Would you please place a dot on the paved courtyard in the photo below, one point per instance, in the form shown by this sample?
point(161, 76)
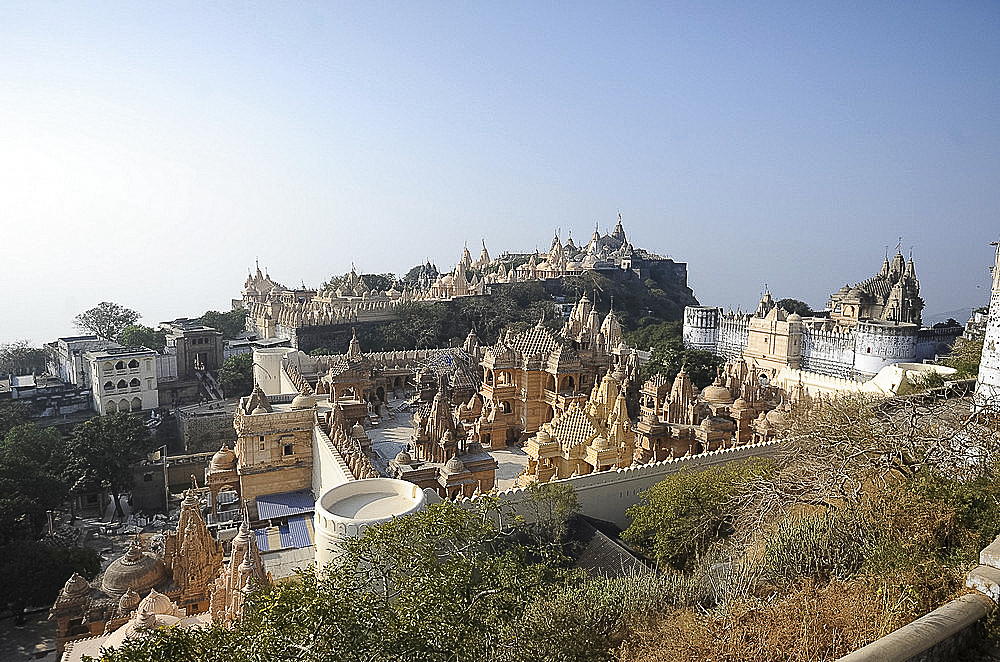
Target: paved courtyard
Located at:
point(395, 430)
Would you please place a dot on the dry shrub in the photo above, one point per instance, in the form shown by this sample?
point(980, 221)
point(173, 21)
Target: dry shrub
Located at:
point(811, 623)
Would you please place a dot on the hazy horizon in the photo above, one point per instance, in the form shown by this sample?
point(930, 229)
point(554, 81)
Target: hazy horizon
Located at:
point(150, 154)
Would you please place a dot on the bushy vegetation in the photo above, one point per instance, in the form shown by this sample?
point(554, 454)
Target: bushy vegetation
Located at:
point(680, 518)
point(447, 583)
point(39, 469)
point(236, 375)
point(668, 355)
point(870, 518)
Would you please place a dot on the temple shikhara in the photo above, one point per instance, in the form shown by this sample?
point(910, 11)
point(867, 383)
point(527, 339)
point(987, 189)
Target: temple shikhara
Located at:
point(177, 579)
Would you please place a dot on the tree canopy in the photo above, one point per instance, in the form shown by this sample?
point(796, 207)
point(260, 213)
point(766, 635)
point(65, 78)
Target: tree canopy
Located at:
point(139, 335)
point(444, 584)
point(32, 479)
point(100, 452)
point(32, 572)
point(106, 319)
point(679, 518)
point(800, 308)
point(236, 375)
point(668, 354)
point(20, 358)
point(231, 323)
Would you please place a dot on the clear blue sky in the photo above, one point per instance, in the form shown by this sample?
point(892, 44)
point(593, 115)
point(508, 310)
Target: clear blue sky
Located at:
point(149, 152)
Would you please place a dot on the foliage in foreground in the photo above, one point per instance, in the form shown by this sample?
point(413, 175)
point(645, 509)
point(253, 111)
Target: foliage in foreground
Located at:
point(446, 583)
point(679, 518)
point(31, 572)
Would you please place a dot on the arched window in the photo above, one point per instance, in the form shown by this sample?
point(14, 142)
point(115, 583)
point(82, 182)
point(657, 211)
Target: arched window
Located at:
point(108, 386)
point(136, 404)
point(108, 367)
point(134, 383)
point(122, 383)
point(111, 407)
point(123, 405)
point(120, 365)
point(133, 364)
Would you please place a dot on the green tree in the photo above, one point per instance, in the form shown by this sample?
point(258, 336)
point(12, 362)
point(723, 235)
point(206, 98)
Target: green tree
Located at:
point(665, 334)
point(551, 507)
point(379, 282)
point(236, 375)
point(12, 414)
point(102, 451)
point(32, 481)
point(679, 518)
point(106, 319)
point(231, 323)
point(139, 335)
point(20, 358)
point(701, 365)
point(964, 357)
point(32, 572)
point(800, 308)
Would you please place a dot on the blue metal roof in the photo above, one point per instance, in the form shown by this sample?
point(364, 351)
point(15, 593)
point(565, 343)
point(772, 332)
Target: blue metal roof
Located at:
point(271, 506)
point(298, 532)
point(292, 535)
point(262, 543)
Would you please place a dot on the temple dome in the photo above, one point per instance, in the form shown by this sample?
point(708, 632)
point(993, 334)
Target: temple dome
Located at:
point(128, 602)
point(76, 586)
point(136, 570)
point(717, 394)
point(776, 417)
point(157, 603)
point(454, 465)
point(403, 458)
point(223, 460)
point(357, 431)
point(303, 401)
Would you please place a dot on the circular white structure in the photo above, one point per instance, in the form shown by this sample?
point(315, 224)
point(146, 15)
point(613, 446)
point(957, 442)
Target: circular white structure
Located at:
point(346, 510)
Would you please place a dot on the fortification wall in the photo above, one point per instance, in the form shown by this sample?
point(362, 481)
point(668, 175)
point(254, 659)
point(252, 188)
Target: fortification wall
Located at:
point(828, 351)
point(701, 327)
point(329, 468)
point(877, 345)
point(607, 494)
point(931, 342)
point(733, 336)
point(814, 383)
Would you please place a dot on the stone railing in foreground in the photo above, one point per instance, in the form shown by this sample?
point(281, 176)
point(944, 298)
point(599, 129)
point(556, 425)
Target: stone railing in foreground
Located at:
point(954, 629)
point(607, 494)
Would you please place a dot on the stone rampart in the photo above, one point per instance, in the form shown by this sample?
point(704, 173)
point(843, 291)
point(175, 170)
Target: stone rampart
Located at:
point(607, 494)
point(932, 342)
point(828, 351)
point(733, 336)
point(701, 327)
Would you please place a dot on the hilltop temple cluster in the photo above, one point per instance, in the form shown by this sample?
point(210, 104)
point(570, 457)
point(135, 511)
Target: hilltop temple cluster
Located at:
point(866, 328)
point(276, 311)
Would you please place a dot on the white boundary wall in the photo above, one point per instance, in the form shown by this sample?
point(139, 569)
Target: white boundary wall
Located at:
point(607, 494)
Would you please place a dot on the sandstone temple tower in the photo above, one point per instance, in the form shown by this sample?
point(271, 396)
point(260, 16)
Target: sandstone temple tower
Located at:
point(988, 386)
